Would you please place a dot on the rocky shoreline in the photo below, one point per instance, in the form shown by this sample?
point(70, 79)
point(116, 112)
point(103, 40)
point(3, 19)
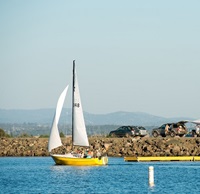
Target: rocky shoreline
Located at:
point(113, 147)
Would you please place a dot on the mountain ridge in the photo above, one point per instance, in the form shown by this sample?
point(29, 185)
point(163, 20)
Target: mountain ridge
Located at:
point(113, 118)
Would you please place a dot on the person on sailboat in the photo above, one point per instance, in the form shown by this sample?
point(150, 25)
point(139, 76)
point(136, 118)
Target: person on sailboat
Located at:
point(197, 129)
point(98, 154)
point(82, 154)
point(79, 153)
point(91, 154)
point(85, 153)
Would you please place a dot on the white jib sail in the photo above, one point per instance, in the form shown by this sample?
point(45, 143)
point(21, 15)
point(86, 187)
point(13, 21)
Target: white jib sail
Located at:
point(54, 139)
point(79, 130)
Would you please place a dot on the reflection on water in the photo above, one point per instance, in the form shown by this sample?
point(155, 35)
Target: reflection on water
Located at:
point(79, 170)
point(40, 175)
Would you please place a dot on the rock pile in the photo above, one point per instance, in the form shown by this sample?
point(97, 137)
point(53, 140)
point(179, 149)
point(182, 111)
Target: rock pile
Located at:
point(23, 147)
point(114, 147)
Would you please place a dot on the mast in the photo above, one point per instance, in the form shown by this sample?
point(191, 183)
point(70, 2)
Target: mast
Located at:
point(73, 89)
point(79, 134)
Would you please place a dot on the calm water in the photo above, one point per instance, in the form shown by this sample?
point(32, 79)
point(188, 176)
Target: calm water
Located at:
point(40, 175)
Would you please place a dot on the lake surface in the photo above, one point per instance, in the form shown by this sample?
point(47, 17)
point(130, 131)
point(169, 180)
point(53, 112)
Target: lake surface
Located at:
point(40, 175)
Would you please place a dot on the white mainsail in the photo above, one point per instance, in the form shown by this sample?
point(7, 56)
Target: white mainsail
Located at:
point(79, 130)
point(54, 139)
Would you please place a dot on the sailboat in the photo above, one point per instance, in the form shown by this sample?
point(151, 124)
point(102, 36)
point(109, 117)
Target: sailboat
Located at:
point(79, 134)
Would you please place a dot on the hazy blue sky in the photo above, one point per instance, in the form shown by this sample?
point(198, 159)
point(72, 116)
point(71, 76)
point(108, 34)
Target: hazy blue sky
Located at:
point(130, 55)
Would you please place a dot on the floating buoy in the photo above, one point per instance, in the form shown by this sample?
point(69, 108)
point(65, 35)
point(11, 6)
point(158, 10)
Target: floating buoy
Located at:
point(151, 176)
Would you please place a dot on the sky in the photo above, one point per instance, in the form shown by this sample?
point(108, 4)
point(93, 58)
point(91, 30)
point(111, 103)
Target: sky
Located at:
point(135, 56)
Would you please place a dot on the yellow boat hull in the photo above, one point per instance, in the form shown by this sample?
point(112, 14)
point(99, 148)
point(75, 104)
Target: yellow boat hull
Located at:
point(64, 160)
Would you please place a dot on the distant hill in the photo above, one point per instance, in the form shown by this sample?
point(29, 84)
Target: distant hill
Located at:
point(43, 116)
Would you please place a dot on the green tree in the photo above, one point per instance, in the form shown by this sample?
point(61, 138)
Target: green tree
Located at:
point(24, 135)
point(3, 133)
point(62, 134)
point(44, 136)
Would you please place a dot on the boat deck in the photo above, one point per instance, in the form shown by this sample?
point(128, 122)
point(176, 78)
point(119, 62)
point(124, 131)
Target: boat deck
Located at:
point(160, 158)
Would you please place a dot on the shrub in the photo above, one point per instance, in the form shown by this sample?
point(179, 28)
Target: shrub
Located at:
point(3, 133)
